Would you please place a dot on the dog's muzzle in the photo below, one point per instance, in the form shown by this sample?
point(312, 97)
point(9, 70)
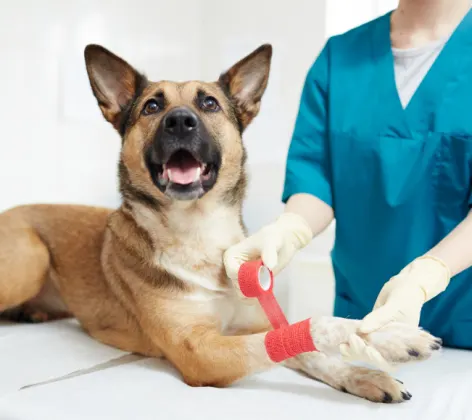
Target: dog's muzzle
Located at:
point(183, 159)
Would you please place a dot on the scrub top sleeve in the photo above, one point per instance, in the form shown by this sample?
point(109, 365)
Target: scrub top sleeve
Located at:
point(307, 166)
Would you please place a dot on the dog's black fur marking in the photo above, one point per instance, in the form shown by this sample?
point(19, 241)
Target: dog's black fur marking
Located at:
point(223, 83)
point(126, 111)
point(130, 192)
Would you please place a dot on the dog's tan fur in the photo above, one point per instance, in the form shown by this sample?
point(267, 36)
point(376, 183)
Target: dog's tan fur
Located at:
point(149, 277)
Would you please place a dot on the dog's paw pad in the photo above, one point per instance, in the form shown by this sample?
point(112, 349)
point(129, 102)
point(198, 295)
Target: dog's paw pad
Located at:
point(374, 385)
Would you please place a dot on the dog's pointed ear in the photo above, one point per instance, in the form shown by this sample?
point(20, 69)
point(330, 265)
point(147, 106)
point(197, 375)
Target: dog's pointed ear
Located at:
point(114, 83)
point(246, 82)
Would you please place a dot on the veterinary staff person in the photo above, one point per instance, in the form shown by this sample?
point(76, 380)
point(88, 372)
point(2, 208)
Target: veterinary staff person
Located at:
point(383, 144)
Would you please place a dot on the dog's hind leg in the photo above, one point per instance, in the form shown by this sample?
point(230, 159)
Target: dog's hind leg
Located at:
point(24, 261)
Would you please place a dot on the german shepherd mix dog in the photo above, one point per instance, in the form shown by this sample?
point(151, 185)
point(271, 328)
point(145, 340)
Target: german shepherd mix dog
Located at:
point(148, 277)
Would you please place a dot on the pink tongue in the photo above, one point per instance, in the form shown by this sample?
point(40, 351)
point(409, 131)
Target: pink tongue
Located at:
point(183, 173)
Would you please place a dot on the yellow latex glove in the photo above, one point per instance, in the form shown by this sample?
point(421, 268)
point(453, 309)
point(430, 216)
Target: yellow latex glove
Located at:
point(276, 244)
point(357, 350)
point(401, 300)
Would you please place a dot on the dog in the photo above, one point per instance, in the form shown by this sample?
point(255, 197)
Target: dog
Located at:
point(148, 277)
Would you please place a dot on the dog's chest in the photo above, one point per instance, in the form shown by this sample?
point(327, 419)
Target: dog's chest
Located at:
point(233, 313)
point(194, 267)
point(195, 255)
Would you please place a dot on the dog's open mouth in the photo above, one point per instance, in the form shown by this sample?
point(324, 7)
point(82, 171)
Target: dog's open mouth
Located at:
point(184, 169)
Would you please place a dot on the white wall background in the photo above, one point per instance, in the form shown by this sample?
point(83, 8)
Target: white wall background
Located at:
point(55, 146)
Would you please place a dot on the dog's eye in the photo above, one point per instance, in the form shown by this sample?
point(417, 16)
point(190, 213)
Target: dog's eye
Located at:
point(210, 104)
point(151, 107)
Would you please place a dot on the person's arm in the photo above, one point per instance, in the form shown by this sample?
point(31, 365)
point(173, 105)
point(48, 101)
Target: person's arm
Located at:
point(455, 250)
point(316, 212)
point(402, 297)
point(307, 189)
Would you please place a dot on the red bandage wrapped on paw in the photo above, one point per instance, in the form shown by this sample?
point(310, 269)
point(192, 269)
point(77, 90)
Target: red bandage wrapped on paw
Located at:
point(285, 341)
point(288, 341)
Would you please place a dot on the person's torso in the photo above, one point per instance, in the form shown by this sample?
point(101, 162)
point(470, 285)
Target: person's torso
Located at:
point(401, 177)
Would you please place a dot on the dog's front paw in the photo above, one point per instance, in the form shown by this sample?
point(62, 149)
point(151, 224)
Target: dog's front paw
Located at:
point(374, 385)
point(402, 343)
point(392, 344)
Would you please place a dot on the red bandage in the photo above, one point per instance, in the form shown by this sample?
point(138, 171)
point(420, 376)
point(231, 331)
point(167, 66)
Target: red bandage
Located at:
point(286, 342)
point(257, 281)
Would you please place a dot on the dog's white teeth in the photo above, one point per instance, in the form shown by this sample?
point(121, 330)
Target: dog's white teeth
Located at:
point(169, 175)
point(197, 174)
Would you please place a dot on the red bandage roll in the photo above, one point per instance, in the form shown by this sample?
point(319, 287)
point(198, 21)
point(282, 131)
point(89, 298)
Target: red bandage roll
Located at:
point(286, 342)
point(249, 276)
point(257, 281)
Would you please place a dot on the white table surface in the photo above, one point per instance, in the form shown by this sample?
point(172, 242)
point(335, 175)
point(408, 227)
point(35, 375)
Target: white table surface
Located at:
point(56, 372)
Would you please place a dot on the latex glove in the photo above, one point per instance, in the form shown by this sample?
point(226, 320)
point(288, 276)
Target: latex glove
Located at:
point(275, 244)
point(402, 298)
point(357, 350)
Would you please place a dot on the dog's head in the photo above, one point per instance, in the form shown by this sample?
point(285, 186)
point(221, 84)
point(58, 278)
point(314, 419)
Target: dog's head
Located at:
point(180, 141)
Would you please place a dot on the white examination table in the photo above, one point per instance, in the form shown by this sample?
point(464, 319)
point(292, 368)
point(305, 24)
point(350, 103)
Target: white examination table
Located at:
point(56, 372)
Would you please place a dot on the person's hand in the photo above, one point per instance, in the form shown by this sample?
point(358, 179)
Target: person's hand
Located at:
point(402, 298)
point(275, 244)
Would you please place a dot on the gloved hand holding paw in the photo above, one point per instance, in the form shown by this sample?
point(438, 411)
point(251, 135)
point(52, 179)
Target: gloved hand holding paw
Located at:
point(401, 300)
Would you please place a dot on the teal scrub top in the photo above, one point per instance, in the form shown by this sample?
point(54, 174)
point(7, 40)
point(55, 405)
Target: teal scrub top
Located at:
point(398, 180)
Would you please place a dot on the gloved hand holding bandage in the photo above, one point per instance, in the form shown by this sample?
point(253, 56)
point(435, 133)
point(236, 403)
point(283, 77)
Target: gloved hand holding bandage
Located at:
point(275, 244)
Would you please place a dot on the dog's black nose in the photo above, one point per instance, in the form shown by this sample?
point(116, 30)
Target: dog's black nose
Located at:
point(180, 122)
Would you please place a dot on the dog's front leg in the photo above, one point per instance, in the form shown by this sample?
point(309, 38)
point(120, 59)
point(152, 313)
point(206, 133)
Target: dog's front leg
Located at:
point(366, 383)
point(396, 342)
point(204, 357)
